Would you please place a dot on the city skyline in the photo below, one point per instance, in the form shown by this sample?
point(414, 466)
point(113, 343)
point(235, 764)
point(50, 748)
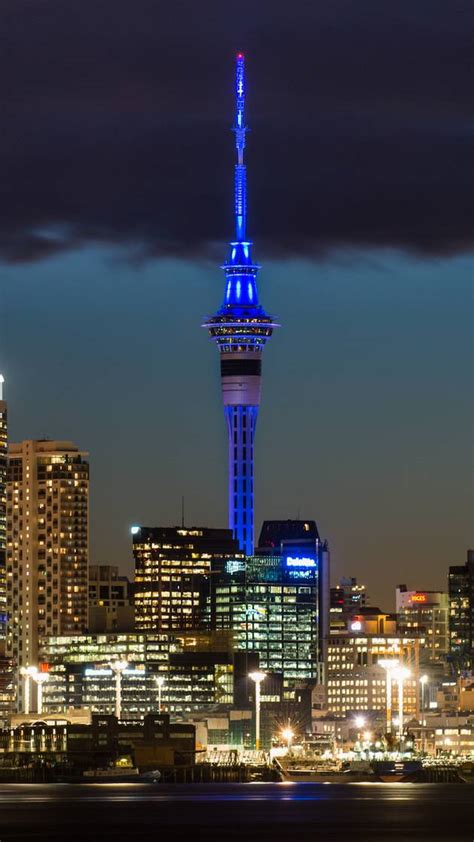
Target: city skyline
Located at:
point(187, 610)
point(366, 420)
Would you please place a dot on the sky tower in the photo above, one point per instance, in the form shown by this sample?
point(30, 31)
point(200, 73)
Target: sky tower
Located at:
point(241, 327)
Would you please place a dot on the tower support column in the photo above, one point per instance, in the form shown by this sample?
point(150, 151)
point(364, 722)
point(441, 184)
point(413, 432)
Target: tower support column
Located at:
point(241, 424)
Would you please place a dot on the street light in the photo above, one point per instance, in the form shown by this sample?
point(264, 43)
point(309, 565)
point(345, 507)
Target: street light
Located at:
point(288, 735)
point(360, 721)
point(257, 677)
point(400, 674)
point(39, 678)
point(118, 668)
point(27, 673)
point(389, 665)
point(160, 683)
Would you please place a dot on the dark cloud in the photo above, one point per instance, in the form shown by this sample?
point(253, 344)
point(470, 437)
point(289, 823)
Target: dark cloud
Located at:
point(116, 114)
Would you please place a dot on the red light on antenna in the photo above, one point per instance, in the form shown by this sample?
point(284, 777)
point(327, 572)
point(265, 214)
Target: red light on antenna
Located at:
point(240, 55)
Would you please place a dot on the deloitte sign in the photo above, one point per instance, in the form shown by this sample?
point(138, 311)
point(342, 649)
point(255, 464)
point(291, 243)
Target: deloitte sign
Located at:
point(301, 567)
point(300, 562)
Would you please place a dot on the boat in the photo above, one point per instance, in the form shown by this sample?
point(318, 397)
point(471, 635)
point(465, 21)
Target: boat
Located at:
point(118, 775)
point(397, 771)
point(296, 770)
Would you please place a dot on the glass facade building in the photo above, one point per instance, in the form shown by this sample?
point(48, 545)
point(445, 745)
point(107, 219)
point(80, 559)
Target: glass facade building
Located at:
point(199, 671)
point(271, 604)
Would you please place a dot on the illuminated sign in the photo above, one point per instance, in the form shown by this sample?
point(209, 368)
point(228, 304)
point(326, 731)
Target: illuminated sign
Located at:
point(356, 625)
point(92, 671)
point(418, 597)
point(97, 671)
point(235, 566)
point(300, 562)
point(301, 574)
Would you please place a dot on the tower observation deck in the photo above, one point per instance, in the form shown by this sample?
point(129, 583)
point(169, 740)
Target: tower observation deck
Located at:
point(241, 328)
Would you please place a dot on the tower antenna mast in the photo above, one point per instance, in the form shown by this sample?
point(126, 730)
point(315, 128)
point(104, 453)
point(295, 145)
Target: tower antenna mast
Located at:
point(240, 129)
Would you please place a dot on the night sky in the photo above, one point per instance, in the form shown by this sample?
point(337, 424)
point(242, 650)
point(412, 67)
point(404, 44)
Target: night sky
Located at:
point(117, 169)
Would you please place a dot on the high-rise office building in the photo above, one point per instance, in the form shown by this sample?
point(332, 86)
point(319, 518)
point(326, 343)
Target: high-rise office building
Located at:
point(300, 538)
point(461, 612)
point(47, 544)
point(172, 569)
point(276, 602)
point(110, 600)
point(240, 328)
point(3, 514)
point(426, 612)
point(356, 680)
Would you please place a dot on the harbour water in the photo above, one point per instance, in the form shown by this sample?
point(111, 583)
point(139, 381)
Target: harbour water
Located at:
point(245, 812)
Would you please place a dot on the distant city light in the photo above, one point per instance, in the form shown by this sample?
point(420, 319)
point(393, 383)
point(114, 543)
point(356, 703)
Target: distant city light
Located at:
point(134, 530)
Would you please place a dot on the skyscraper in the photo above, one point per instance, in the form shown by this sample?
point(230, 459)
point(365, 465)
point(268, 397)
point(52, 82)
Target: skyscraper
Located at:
point(277, 601)
point(241, 327)
point(461, 612)
point(3, 514)
point(172, 570)
point(47, 544)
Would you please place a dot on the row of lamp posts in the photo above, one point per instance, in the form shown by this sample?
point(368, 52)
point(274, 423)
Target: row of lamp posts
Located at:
point(393, 670)
point(399, 673)
point(118, 667)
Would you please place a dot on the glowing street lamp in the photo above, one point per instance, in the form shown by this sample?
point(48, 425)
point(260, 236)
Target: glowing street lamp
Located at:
point(118, 668)
point(288, 735)
point(160, 683)
point(359, 721)
point(389, 665)
point(39, 678)
point(257, 677)
point(400, 674)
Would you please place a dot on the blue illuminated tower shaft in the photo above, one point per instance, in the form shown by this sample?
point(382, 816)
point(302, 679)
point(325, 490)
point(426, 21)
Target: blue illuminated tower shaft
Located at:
point(241, 424)
point(241, 328)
